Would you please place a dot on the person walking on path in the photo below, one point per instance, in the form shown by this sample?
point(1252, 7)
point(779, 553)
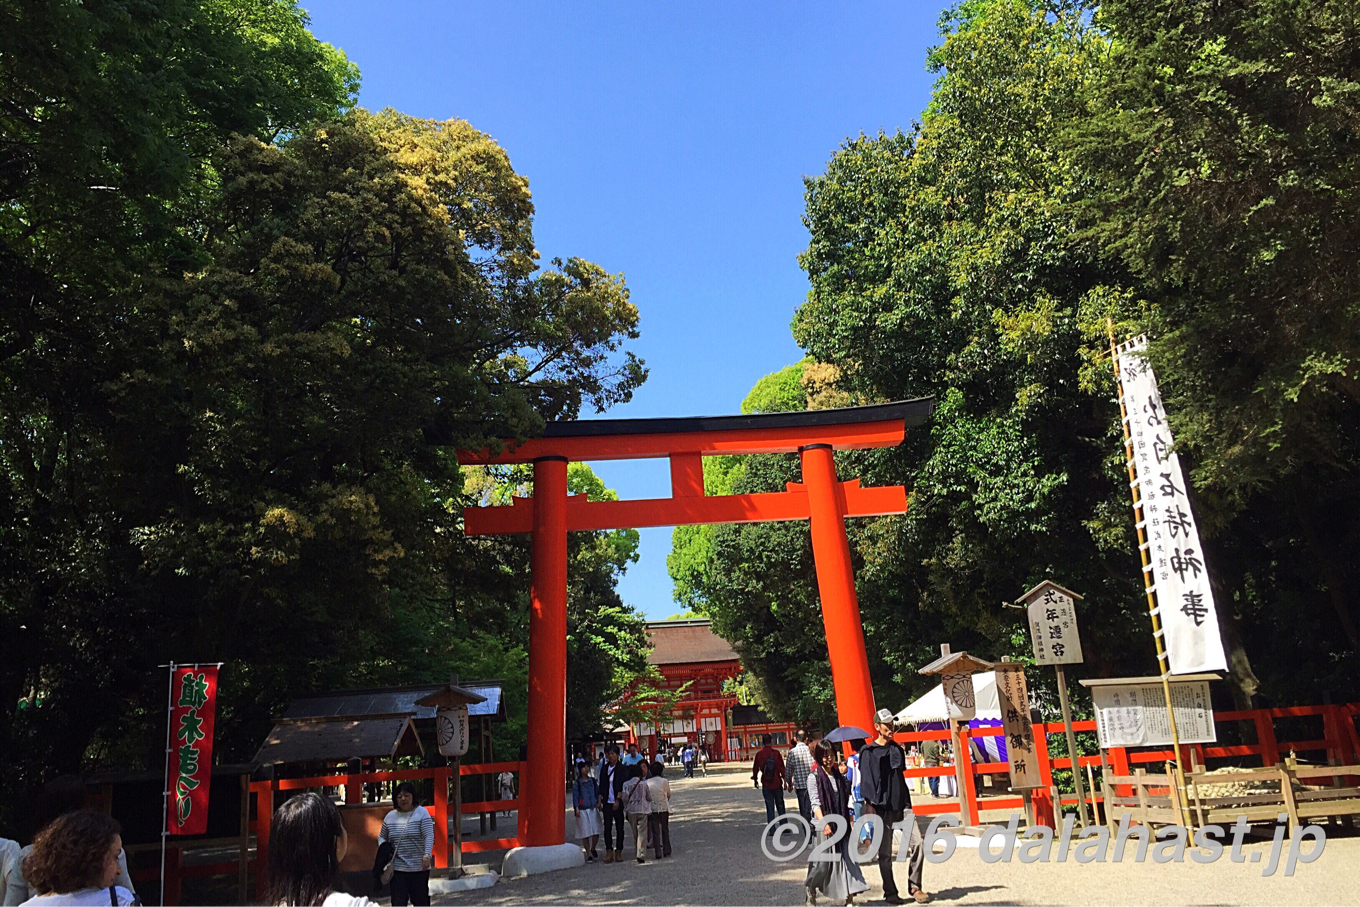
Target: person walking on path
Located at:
point(409, 828)
point(852, 774)
point(585, 798)
point(930, 757)
point(610, 784)
point(659, 823)
point(769, 765)
point(687, 759)
point(507, 785)
point(637, 799)
point(885, 794)
point(799, 764)
point(829, 792)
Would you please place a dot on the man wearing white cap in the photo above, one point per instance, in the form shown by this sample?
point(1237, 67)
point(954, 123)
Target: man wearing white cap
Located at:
point(884, 789)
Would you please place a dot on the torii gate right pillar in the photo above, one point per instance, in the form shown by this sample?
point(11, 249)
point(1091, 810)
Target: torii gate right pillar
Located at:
point(836, 585)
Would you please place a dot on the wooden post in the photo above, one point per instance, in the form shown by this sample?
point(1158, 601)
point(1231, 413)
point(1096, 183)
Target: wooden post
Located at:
point(962, 776)
point(441, 818)
point(264, 814)
point(1141, 789)
point(1265, 737)
point(1108, 791)
point(1091, 785)
point(243, 851)
point(1287, 789)
point(456, 844)
point(1071, 750)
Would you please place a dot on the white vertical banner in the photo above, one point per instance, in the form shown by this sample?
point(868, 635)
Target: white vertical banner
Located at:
point(1185, 602)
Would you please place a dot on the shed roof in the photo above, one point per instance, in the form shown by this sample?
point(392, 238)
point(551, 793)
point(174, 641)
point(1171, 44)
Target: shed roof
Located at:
point(335, 739)
point(686, 642)
point(394, 700)
point(957, 663)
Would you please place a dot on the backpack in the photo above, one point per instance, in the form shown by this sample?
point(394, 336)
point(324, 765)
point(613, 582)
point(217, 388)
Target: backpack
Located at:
point(771, 768)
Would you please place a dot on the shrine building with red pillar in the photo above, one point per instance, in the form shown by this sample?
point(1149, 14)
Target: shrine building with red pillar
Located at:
point(688, 651)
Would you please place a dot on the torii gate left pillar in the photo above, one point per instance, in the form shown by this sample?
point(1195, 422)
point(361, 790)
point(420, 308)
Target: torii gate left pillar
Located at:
point(551, 513)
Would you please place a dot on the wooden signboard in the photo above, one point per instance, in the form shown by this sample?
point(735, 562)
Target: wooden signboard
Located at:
point(1012, 694)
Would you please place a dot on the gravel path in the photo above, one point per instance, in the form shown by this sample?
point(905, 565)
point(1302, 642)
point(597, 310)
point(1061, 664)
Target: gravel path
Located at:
point(716, 824)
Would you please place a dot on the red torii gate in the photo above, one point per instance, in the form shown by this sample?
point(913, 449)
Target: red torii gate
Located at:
point(551, 513)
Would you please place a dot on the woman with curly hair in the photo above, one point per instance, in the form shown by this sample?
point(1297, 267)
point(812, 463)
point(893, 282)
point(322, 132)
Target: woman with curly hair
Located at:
point(74, 861)
point(307, 841)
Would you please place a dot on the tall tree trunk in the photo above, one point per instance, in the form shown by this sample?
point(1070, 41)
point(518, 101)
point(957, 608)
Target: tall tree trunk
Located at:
point(1241, 678)
point(1336, 587)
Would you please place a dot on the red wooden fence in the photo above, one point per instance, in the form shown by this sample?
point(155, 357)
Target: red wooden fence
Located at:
point(1339, 744)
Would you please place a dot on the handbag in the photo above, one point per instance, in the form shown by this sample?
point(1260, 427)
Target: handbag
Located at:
point(390, 868)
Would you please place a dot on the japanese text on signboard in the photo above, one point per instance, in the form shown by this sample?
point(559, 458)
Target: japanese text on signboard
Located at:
point(1053, 627)
point(1135, 714)
point(1013, 698)
point(193, 702)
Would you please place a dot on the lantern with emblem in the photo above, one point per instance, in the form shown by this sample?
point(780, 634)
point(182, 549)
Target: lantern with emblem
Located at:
point(955, 670)
point(451, 730)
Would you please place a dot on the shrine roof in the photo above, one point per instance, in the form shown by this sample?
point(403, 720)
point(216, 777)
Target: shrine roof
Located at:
point(394, 700)
point(336, 738)
point(913, 412)
point(686, 642)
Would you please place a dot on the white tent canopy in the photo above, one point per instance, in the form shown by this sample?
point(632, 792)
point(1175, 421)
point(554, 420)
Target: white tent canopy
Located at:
point(931, 706)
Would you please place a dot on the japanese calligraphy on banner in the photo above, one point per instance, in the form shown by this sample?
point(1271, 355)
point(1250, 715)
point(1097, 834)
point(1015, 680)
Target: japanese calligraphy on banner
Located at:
point(193, 702)
point(1135, 714)
point(1053, 625)
point(1184, 600)
point(1012, 693)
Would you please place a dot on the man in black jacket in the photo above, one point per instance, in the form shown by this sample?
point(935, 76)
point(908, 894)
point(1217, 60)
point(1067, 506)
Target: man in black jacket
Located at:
point(884, 789)
point(610, 783)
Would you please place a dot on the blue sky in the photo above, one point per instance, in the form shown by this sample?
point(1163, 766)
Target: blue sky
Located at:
point(665, 141)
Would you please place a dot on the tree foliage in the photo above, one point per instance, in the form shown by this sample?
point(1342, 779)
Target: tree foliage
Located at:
point(1221, 160)
point(245, 330)
point(1180, 168)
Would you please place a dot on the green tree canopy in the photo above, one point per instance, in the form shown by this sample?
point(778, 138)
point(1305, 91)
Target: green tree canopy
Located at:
point(230, 398)
point(1181, 169)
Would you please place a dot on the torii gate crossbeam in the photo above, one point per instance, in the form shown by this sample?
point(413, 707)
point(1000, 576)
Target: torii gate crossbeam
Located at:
point(551, 513)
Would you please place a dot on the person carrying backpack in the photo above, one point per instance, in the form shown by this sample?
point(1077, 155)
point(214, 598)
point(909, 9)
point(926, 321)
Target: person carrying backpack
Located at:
point(769, 765)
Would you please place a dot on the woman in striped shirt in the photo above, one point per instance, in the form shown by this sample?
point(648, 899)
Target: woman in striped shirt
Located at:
point(410, 831)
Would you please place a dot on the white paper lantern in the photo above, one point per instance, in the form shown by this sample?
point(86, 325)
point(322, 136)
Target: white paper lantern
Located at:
point(958, 695)
point(451, 728)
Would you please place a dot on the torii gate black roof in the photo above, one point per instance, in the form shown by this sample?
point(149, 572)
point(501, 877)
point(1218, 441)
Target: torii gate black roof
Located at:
point(912, 412)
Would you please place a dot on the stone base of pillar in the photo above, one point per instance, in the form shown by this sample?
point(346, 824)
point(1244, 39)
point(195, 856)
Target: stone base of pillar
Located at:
point(525, 861)
point(465, 883)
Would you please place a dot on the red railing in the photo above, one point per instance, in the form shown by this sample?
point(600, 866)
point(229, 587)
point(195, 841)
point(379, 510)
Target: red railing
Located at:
point(265, 794)
point(1340, 743)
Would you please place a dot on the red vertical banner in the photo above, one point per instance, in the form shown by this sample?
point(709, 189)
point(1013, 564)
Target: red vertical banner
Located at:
point(193, 704)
